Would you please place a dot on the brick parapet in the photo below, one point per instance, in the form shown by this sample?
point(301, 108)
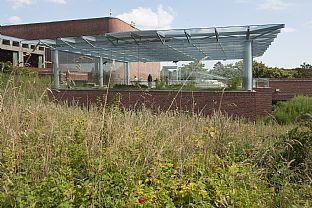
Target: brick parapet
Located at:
point(236, 104)
point(285, 89)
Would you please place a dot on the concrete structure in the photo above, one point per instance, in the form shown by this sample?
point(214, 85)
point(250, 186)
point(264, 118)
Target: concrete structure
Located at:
point(20, 54)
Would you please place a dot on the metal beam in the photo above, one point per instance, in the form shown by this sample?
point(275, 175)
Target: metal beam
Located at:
point(217, 38)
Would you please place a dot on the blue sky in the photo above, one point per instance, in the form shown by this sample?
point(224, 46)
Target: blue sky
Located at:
point(291, 48)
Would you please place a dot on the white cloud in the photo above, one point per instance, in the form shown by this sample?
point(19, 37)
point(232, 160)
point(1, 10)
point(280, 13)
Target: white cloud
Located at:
point(57, 1)
point(273, 5)
point(289, 30)
point(149, 19)
point(14, 19)
point(20, 3)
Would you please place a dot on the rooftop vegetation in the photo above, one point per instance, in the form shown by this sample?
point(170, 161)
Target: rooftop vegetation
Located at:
point(66, 156)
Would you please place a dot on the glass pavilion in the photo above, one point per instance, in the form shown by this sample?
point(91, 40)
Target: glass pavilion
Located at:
point(195, 44)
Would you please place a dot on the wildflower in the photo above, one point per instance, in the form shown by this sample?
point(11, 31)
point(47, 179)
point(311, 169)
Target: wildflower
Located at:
point(141, 200)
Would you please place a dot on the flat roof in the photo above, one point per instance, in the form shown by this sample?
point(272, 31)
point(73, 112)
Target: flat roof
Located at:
point(213, 43)
point(5, 37)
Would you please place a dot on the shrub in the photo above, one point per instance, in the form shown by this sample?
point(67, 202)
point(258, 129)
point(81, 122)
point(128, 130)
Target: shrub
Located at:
point(128, 87)
point(6, 67)
point(235, 83)
point(287, 112)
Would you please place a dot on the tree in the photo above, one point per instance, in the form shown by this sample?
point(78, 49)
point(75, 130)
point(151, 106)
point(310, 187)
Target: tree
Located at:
point(306, 66)
point(228, 71)
point(260, 70)
point(305, 71)
point(188, 69)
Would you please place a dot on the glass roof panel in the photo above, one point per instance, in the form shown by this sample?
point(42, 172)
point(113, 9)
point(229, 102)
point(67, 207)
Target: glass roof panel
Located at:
point(176, 44)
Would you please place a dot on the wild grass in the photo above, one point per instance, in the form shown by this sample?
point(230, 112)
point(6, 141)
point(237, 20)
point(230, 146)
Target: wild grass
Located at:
point(286, 112)
point(55, 155)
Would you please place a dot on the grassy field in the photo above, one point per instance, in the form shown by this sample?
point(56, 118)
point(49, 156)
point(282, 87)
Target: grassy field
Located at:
point(60, 156)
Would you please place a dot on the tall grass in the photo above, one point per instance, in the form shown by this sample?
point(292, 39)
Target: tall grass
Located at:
point(55, 155)
point(287, 111)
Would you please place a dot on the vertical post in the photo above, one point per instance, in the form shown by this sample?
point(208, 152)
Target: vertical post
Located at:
point(101, 68)
point(248, 66)
point(40, 61)
point(44, 65)
point(20, 58)
point(56, 70)
point(127, 77)
point(15, 59)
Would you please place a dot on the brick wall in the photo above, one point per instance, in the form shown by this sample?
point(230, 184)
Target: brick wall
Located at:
point(237, 104)
point(285, 89)
point(263, 101)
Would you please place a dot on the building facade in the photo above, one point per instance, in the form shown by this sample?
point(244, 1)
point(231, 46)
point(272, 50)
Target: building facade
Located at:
point(21, 54)
point(83, 27)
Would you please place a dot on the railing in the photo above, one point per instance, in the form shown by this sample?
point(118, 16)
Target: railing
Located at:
point(261, 83)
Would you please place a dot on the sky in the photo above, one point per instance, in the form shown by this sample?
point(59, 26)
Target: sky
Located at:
point(291, 48)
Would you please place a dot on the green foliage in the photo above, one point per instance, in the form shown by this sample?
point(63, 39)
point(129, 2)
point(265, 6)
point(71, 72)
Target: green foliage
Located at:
point(260, 70)
point(187, 70)
point(287, 165)
point(286, 112)
point(232, 71)
point(220, 184)
point(160, 84)
point(8, 68)
point(306, 66)
point(235, 83)
point(60, 156)
point(305, 71)
point(127, 87)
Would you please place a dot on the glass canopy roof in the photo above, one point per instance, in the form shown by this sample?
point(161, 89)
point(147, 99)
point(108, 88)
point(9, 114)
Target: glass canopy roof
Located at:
point(215, 43)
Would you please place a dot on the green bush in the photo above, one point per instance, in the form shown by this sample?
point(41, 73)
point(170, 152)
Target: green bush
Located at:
point(235, 83)
point(287, 111)
point(286, 165)
point(8, 68)
point(128, 87)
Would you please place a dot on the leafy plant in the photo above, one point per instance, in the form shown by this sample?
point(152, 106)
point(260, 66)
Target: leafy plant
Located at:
point(55, 155)
point(287, 111)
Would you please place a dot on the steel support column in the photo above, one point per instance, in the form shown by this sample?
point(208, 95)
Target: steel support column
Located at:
point(247, 83)
point(101, 70)
point(56, 69)
point(127, 77)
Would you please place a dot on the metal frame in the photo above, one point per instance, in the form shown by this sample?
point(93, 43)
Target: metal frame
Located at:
point(215, 43)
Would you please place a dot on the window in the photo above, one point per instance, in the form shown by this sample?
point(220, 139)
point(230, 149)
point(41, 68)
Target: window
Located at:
point(6, 42)
point(16, 44)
